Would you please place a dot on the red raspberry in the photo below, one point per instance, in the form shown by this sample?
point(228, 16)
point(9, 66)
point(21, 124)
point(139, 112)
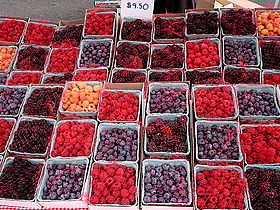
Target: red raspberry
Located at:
point(99, 75)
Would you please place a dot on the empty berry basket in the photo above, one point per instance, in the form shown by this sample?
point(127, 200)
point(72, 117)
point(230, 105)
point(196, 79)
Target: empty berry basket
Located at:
point(19, 182)
point(166, 176)
point(257, 102)
point(226, 179)
point(31, 137)
point(217, 141)
point(82, 135)
point(168, 98)
point(117, 142)
point(167, 135)
point(71, 193)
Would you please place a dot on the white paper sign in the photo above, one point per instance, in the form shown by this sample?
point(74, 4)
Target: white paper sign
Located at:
point(142, 9)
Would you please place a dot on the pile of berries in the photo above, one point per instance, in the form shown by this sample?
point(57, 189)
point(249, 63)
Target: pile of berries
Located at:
point(204, 77)
point(166, 183)
point(206, 22)
point(217, 141)
point(268, 24)
point(99, 75)
point(270, 55)
point(240, 51)
point(43, 101)
point(168, 100)
point(202, 54)
point(32, 136)
point(81, 97)
point(119, 106)
point(272, 78)
point(168, 135)
point(254, 102)
point(99, 24)
point(113, 184)
point(117, 144)
point(220, 189)
point(167, 56)
point(63, 60)
point(167, 75)
point(73, 138)
point(39, 34)
point(242, 75)
point(261, 145)
point(65, 181)
point(7, 55)
point(214, 102)
point(69, 36)
point(5, 130)
point(238, 22)
point(11, 30)
point(31, 58)
point(11, 100)
point(169, 28)
point(24, 78)
point(264, 187)
point(19, 179)
point(136, 30)
point(57, 79)
point(132, 55)
point(128, 76)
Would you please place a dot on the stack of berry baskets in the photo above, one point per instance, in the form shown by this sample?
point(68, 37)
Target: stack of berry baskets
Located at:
point(86, 44)
point(185, 178)
point(259, 167)
point(136, 93)
point(91, 74)
point(13, 60)
point(10, 79)
point(230, 135)
point(202, 45)
point(55, 104)
point(3, 78)
point(251, 24)
point(51, 122)
point(46, 25)
point(204, 14)
point(254, 51)
point(64, 78)
point(55, 147)
point(13, 120)
point(100, 146)
point(20, 38)
point(91, 114)
point(178, 36)
point(148, 37)
point(174, 86)
point(142, 75)
point(143, 65)
point(201, 168)
point(95, 36)
point(18, 202)
point(21, 101)
point(93, 204)
point(162, 47)
point(82, 165)
point(271, 77)
point(165, 154)
point(255, 80)
point(174, 75)
point(217, 117)
point(22, 47)
point(254, 111)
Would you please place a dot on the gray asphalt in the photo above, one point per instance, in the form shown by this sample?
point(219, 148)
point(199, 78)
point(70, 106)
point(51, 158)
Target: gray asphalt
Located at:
point(56, 10)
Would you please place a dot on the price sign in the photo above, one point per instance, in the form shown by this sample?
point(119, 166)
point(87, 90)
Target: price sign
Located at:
point(142, 9)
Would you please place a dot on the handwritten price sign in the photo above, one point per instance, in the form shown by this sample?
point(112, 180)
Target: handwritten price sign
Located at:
point(142, 9)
